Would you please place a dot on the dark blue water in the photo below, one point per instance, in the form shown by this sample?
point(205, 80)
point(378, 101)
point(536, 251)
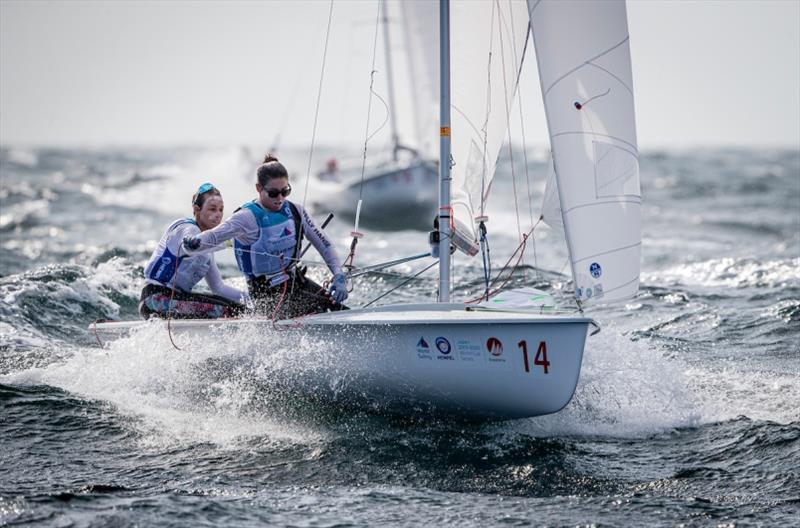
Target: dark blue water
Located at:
point(687, 411)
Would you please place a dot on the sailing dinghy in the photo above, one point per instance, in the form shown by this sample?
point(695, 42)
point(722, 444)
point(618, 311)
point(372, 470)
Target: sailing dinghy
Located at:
point(395, 188)
point(503, 358)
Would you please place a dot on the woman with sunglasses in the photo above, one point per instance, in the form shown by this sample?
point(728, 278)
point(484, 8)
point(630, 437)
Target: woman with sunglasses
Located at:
point(171, 273)
point(267, 235)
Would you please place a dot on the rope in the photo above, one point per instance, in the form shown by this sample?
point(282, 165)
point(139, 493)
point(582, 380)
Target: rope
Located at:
point(319, 98)
point(348, 262)
point(518, 61)
point(96, 336)
point(486, 256)
point(384, 265)
point(412, 277)
point(171, 296)
point(508, 125)
point(274, 316)
point(484, 128)
point(373, 71)
point(521, 250)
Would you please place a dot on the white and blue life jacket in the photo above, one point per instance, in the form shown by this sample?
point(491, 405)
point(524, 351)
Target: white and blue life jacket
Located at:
point(276, 249)
point(161, 267)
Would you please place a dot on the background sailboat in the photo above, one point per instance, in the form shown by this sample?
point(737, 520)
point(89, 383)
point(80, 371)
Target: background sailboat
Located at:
point(394, 184)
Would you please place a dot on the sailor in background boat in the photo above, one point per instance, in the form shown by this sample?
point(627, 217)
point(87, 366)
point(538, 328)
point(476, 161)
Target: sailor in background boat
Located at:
point(171, 273)
point(331, 172)
point(267, 235)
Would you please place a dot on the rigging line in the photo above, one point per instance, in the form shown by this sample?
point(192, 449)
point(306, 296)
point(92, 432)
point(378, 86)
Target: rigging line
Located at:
point(171, 296)
point(521, 250)
point(367, 135)
point(485, 127)
point(385, 119)
point(319, 98)
point(519, 61)
point(412, 277)
point(508, 121)
point(468, 120)
point(510, 29)
point(377, 267)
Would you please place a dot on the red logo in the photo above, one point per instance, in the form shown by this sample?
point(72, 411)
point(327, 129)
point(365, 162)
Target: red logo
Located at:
point(494, 346)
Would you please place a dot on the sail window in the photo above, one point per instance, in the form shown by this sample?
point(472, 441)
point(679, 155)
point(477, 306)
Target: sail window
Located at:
point(616, 171)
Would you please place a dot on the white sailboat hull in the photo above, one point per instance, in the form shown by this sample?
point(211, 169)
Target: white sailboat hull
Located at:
point(439, 358)
point(395, 196)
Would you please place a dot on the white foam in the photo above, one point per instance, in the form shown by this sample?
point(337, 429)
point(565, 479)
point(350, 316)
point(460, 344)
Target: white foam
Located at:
point(631, 389)
point(168, 393)
point(741, 387)
point(626, 389)
point(731, 273)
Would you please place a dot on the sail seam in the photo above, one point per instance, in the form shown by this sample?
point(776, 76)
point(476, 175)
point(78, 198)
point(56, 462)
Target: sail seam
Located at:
point(635, 153)
point(614, 76)
point(576, 68)
point(638, 202)
point(607, 252)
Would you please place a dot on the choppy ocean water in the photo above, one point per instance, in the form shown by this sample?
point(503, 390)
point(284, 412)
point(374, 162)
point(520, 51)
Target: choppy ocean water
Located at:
point(687, 411)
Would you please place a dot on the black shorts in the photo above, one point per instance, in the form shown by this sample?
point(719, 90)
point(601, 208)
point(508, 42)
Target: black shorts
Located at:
point(155, 301)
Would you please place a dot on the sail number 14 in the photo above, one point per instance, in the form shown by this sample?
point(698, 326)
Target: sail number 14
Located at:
point(539, 360)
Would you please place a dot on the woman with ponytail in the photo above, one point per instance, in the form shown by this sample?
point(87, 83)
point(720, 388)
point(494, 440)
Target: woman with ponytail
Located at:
point(267, 234)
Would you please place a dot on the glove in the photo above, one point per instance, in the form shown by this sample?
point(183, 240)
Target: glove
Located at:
point(338, 289)
point(192, 243)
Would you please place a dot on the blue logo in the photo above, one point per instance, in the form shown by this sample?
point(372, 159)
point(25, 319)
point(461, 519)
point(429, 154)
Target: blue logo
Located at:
point(422, 343)
point(595, 270)
point(443, 345)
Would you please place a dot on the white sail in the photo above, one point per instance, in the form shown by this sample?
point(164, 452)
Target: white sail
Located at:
point(420, 33)
point(584, 67)
point(551, 205)
point(487, 43)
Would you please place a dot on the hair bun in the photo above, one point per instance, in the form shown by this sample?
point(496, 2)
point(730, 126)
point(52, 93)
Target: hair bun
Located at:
point(268, 158)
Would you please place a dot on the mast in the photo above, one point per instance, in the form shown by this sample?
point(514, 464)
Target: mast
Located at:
point(444, 152)
point(390, 80)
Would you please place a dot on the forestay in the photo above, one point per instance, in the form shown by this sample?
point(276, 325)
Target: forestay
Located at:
point(584, 66)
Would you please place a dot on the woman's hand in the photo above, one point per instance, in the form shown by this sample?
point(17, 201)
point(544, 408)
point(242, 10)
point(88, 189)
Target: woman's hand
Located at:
point(338, 289)
point(192, 243)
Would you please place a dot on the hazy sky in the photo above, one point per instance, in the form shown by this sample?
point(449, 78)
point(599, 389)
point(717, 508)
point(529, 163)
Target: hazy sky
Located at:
point(159, 73)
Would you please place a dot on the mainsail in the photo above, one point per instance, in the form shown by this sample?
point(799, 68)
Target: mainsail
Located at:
point(420, 31)
point(487, 43)
point(585, 71)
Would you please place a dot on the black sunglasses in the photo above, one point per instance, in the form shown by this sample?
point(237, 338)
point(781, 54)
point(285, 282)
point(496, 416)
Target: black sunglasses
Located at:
point(273, 193)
